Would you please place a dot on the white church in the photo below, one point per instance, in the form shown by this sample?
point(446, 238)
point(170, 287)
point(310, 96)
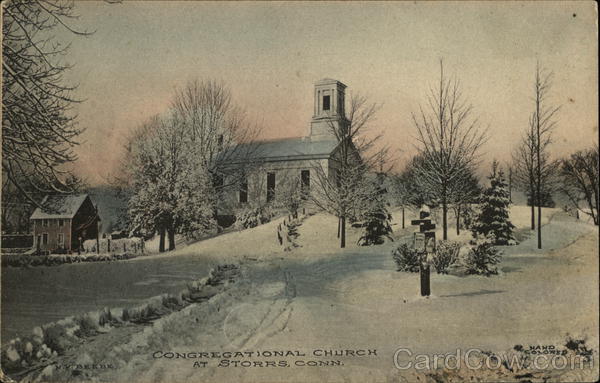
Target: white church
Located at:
point(299, 156)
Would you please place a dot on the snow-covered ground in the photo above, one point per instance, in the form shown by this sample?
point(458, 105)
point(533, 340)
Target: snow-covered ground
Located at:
point(318, 297)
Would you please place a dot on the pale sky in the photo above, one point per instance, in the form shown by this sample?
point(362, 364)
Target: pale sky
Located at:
point(270, 55)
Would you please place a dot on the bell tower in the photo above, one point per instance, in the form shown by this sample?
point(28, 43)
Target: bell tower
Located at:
point(329, 114)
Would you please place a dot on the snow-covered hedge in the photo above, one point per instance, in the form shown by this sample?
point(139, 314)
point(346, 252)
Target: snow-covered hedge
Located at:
point(23, 260)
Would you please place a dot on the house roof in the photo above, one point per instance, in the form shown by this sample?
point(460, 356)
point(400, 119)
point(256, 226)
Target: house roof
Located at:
point(59, 206)
point(286, 149)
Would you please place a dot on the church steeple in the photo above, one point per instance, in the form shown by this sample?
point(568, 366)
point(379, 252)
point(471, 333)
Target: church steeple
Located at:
point(329, 110)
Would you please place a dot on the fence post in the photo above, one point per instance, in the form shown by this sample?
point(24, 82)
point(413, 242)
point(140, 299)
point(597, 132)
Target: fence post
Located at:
point(108, 244)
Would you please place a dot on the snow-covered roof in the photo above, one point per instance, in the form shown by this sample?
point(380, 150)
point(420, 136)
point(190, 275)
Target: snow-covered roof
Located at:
point(286, 149)
point(59, 206)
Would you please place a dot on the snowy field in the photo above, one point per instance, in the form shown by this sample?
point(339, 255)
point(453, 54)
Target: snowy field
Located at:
point(318, 297)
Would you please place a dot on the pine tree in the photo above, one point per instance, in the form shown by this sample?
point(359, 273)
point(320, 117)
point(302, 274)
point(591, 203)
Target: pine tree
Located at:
point(376, 222)
point(493, 219)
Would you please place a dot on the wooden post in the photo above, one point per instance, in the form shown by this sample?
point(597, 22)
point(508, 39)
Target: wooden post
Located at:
point(425, 283)
point(108, 244)
point(98, 243)
point(403, 217)
point(427, 235)
point(124, 247)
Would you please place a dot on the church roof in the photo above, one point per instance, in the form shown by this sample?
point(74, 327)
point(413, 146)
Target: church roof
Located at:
point(286, 149)
point(59, 206)
point(327, 80)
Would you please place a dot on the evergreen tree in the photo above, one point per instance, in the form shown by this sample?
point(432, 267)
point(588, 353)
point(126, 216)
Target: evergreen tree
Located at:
point(377, 218)
point(492, 220)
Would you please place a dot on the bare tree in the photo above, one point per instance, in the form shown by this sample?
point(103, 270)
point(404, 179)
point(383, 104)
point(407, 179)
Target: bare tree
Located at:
point(580, 181)
point(225, 141)
point(448, 142)
point(541, 123)
point(343, 189)
point(39, 128)
point(525, 166)
point(401, 193)
point(463, 194)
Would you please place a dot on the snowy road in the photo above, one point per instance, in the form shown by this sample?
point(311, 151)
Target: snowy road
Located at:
point(38, 295)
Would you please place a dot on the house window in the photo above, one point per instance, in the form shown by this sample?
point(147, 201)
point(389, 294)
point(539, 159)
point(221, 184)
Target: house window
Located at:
point(61, 239)
point(270, 186)
point(45, 223)
point(326, 102)
point(305, 180)
point(244, 191)
point(45, 239)
point(61, 222)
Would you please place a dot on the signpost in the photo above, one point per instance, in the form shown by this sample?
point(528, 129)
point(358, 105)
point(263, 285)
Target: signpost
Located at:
point(424, 244)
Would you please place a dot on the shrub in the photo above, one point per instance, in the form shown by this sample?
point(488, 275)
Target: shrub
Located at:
point(446, 254)
point(171, 302)
point(125, 316)
point(55, 337)
point(87, 326)
point(252, 217)
point(105, 317)
point(483, 257)
point(406, 259)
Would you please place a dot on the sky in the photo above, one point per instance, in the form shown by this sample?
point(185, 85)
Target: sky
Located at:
point(270, 54)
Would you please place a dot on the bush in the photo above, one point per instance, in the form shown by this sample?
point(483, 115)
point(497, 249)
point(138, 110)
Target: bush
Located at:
point(106, 317)
point(406, 259)
point(252, 217)
point(87, 326)
point(55, 337)
point(483, 257)
point(446, 254)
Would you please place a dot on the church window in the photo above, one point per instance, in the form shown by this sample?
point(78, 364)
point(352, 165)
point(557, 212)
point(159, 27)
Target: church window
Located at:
point(305, 179)
point(244, 191)
point(270, 186)
point(326, 102)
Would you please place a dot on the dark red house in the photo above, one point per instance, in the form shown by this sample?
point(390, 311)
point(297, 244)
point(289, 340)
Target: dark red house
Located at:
point(63, 222)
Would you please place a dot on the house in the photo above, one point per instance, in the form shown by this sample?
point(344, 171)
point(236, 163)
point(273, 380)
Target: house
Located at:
point(63, 222)
point(294, 157)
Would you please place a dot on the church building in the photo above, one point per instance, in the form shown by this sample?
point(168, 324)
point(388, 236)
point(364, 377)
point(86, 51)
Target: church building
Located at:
point(282, 159)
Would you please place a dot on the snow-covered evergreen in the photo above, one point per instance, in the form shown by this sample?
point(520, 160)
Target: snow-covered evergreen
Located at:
point(493, 219)
point(377, 218)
